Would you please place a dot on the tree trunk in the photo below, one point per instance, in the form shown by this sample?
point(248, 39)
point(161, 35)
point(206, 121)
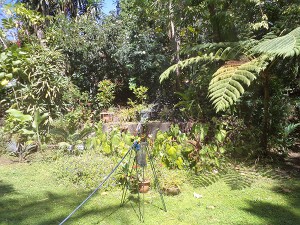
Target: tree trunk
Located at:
point(175, 43)
point(266, 113)
point(214, 23)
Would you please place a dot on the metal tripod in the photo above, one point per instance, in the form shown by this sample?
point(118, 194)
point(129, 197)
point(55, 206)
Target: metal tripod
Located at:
point(135, 160)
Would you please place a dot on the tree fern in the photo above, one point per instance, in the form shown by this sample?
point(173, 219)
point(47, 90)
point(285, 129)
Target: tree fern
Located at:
point(221, 54)
point(227, 84)
point(285, 46)
point(236, 48)
point(188, 62)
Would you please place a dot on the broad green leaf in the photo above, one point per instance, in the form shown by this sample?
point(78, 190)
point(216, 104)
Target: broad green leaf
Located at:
point(19, 115)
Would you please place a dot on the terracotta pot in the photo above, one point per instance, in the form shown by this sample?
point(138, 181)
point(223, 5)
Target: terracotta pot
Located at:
point(144, 186)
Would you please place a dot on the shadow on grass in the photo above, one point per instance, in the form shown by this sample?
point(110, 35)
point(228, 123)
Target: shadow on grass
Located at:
point(276, 214)
point(52, 208)
point(5, 188)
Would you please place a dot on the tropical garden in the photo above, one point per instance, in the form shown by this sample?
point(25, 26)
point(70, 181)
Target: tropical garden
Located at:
point(211, 86)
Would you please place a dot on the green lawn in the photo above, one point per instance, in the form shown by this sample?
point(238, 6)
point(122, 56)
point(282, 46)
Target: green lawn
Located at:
point(31, 194)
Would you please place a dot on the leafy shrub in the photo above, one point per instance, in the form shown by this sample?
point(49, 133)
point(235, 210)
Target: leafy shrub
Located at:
point(86, 170)
point(169, 147)
point(71, 127)
point(171, 178)
point(113, 143)
point(106, 94)
point(131, 114)
point(140, 94)
point(208, 143)
point(202, 149)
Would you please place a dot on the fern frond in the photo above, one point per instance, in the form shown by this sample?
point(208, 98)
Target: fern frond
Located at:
point(236, 48)
point(285, 46)
point(188, 62)
point(227, 84)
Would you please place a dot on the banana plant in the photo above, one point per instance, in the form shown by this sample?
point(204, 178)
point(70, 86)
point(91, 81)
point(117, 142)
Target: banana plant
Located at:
point(19, 123)
point(38, 119)
point(71, 139)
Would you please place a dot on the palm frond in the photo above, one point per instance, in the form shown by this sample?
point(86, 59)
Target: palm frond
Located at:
point(227, 84)
point(285, 46)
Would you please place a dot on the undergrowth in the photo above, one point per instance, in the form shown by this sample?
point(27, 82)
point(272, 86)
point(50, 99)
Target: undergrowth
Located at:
point(85, 170)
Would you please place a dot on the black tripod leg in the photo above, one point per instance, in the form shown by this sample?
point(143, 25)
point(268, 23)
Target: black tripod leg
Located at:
point(143, 214)
point(125, 185)
point(138, 191)
point(156, 182)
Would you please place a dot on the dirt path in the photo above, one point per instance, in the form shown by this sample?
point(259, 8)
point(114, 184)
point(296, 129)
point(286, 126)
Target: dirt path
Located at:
point(5, 160)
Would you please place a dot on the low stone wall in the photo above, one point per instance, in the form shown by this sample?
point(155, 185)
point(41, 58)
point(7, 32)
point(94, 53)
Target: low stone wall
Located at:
point(150, 127)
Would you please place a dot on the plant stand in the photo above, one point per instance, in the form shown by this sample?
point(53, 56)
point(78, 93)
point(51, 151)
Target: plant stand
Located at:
point(141, 152)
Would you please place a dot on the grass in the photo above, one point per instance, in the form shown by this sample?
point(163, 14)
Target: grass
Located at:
point(31, 194)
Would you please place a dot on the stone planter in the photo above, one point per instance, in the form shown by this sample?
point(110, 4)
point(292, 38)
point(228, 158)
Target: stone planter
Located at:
point(173, 190)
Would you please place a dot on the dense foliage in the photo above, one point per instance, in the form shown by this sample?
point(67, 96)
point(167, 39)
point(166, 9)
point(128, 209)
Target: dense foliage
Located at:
point(186, 60)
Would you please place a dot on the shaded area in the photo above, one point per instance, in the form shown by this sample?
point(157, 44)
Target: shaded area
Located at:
point(5, 188)
point(52, 208)
point(276, 214)
point(292, 163)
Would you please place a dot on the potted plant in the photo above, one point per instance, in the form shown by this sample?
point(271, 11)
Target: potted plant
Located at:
point(171, 181)
point(144, 186)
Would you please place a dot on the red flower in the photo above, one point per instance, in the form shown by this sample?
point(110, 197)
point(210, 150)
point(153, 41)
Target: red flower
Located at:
point(19, 43)
point(135, 166)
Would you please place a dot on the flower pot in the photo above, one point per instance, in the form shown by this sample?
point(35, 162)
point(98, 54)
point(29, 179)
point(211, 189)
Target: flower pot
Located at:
point(144, 186)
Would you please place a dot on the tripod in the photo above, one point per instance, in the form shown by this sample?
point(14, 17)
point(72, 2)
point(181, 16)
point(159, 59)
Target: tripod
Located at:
point(139, 159)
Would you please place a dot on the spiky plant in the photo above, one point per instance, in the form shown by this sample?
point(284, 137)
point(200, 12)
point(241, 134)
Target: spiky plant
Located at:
point(21, 150)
